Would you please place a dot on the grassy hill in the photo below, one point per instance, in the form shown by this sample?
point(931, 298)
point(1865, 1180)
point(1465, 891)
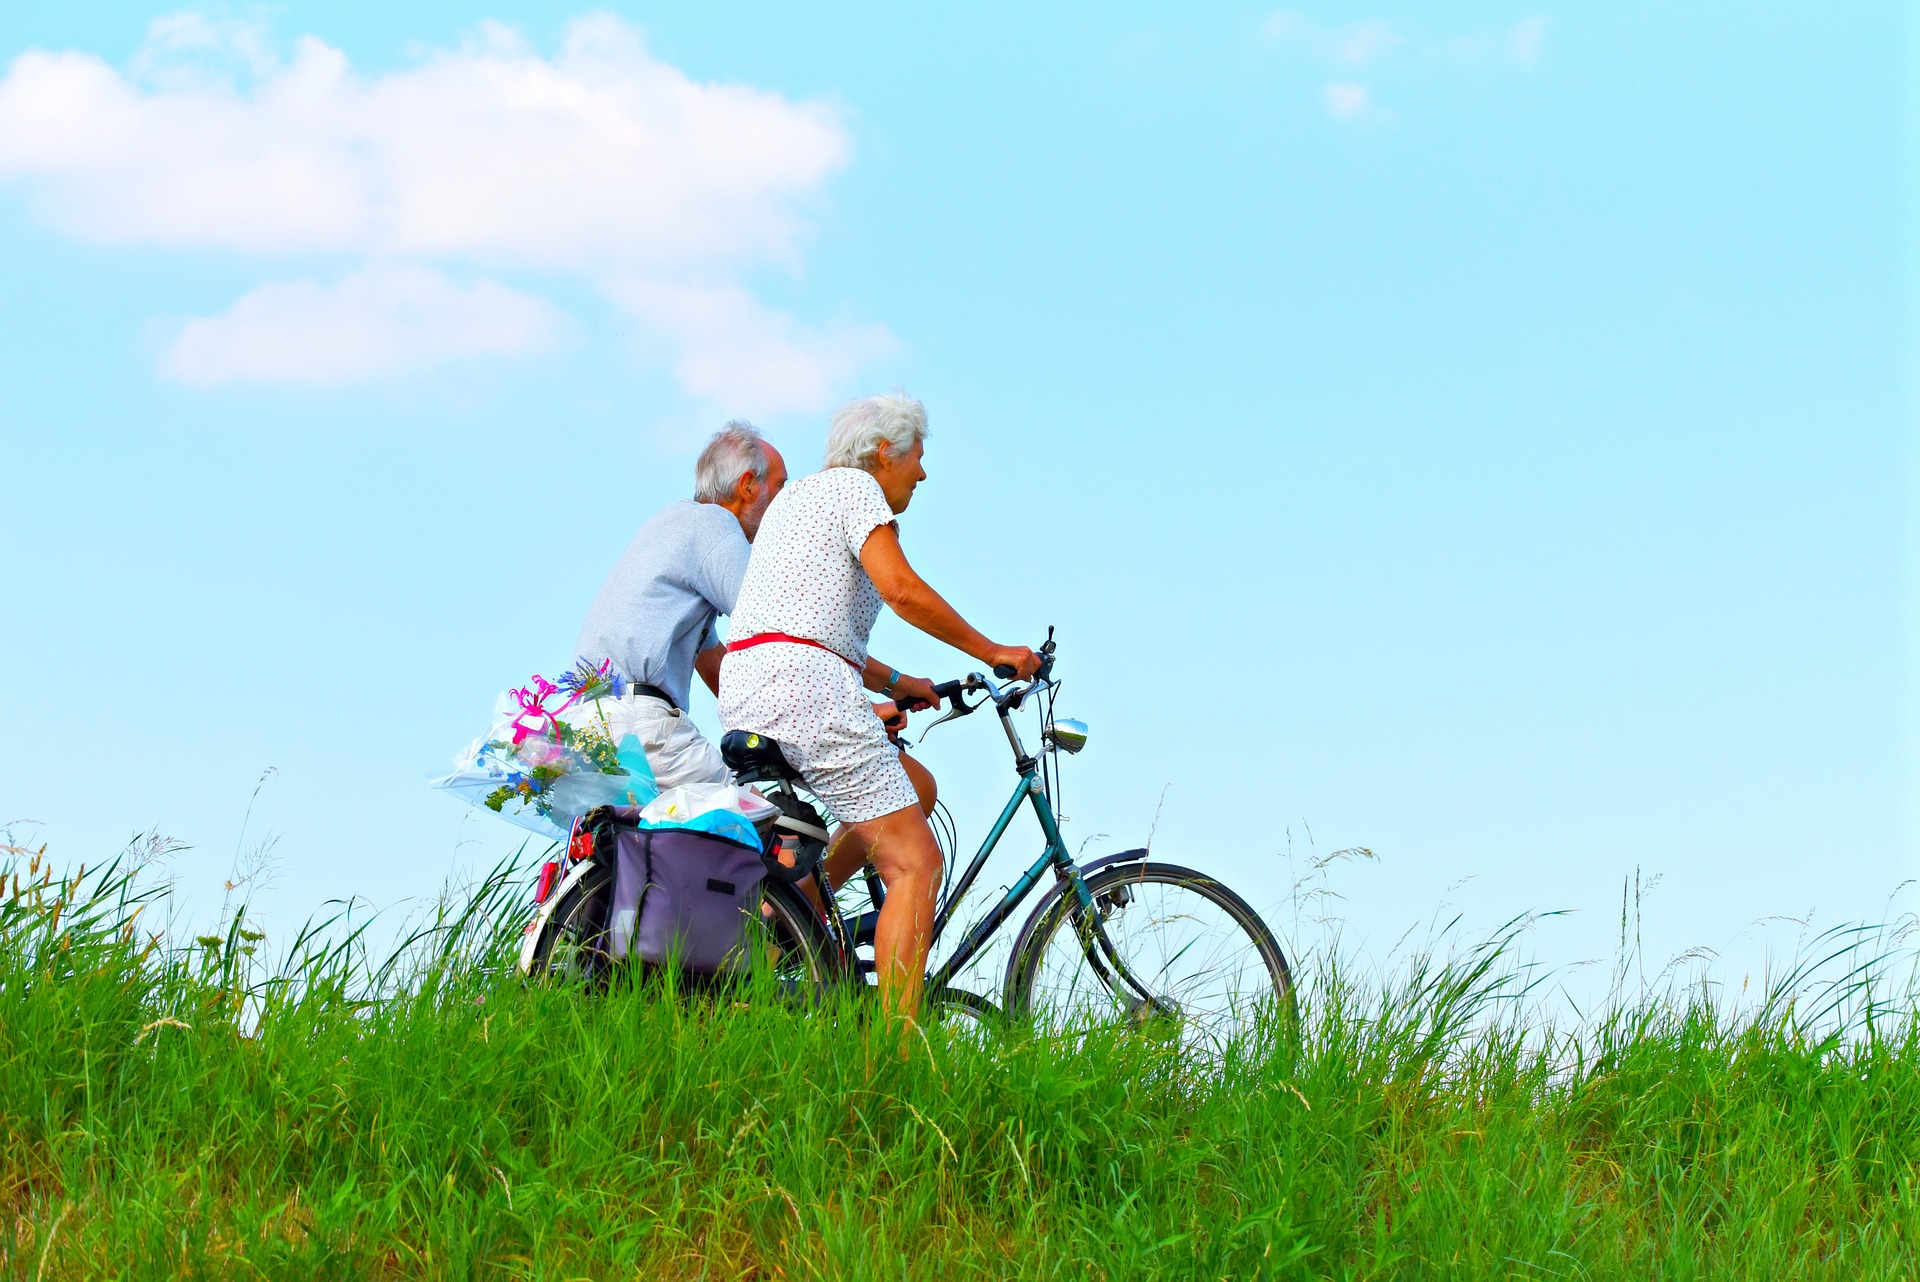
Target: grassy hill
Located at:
point(198, 1112)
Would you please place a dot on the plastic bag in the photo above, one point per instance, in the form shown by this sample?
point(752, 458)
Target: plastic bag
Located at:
point(541, 772)
point(716, 809)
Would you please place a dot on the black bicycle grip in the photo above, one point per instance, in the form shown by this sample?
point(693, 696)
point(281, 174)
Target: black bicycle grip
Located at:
point(1003, 670)
point(950, 689)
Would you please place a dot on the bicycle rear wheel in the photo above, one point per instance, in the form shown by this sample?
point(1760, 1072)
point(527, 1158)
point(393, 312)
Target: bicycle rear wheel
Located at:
point(1210, 967)
point(573, 948)
point(964, 1013)
point(791, 943)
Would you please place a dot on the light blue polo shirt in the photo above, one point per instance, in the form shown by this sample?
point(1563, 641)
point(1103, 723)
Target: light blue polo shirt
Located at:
point(656, 610)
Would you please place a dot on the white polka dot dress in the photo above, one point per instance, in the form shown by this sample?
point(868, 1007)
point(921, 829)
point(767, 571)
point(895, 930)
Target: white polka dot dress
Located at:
point(805, 580)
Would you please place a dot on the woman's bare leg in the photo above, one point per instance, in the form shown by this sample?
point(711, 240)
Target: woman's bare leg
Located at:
point(903, 851)
point(923, 785)
point(853, 846)
point(848, 850)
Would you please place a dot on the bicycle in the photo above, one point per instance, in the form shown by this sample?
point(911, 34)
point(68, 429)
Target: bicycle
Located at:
point(1147, 941)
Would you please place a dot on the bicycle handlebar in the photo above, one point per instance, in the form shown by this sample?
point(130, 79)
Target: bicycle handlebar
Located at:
point(1004, 699)
point(1006, 670)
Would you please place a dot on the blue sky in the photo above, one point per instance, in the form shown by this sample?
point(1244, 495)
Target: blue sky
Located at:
point(1474, 432)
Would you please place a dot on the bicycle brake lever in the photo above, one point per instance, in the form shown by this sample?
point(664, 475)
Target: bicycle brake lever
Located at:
point(956, 707)
point(1014, 700)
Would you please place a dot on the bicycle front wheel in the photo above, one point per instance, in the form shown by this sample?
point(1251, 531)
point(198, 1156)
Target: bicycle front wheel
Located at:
point(1199, 959)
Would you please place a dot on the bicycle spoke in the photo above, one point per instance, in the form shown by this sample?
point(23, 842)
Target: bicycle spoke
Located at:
point(1202, 958)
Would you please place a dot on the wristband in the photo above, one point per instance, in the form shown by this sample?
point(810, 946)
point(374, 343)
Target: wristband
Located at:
point(893, 679)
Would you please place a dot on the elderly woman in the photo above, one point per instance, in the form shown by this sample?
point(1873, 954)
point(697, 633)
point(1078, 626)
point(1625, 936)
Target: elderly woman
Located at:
point(827, 555)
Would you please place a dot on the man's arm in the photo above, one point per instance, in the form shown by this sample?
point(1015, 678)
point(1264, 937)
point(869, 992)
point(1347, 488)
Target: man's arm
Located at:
point(721, 572)
point(722, 569)
point(707, 664)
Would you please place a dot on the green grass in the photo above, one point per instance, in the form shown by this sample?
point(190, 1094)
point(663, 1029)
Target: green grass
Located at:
point(201, 1112)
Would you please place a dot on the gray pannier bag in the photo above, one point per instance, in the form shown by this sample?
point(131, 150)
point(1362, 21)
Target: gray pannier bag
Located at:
point(678, 895)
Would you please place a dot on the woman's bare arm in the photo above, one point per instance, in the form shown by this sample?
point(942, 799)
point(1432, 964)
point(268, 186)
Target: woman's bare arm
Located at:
point(913, 599)
point(906, 690)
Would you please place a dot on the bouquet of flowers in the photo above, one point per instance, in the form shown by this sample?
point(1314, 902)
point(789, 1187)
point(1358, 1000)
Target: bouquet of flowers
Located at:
point(542, 772)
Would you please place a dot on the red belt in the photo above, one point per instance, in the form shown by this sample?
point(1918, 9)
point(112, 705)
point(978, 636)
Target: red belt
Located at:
point(762, 638)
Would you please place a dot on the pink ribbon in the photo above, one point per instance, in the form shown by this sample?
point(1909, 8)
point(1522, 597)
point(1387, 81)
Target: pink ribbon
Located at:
point(533, 709)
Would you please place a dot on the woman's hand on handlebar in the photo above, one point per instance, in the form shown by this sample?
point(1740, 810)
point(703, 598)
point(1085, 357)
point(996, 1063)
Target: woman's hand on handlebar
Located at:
point(1021, 661)
point(912, 694)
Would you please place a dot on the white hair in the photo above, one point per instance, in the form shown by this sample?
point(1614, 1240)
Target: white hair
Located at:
point(735, 450)
point(861, 427)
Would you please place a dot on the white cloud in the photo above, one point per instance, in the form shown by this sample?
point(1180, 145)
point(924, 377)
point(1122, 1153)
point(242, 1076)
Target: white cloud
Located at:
point(1348, 101)
point(1525, 40)
point(600, 162)
point(1354, 45)
point(746, 357)
point(1519, 45)
point(1281, 24)
point(183, 48)
point(374, 323)
point(1362, 43)
point(601, 154)
point(1375, 41)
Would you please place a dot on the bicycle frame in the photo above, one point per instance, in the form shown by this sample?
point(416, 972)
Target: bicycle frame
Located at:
point(1054, 857)
point(1031, 790)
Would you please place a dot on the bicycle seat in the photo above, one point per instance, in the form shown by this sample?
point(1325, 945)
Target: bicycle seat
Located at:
point(754, 758)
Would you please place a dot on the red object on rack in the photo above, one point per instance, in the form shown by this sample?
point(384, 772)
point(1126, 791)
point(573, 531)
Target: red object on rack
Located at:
point(580, 844)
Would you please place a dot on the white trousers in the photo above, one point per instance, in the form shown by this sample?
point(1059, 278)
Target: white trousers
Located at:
point(647, 729)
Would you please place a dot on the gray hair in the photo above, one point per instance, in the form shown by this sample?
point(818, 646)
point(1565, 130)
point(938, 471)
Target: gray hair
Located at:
point(735, 450)
point(861, 427)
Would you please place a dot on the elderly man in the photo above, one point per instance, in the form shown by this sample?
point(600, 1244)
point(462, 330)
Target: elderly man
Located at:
point(654, 615)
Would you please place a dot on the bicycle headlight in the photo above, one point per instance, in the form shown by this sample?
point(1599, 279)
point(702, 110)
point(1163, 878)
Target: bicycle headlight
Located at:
point(1067, 734)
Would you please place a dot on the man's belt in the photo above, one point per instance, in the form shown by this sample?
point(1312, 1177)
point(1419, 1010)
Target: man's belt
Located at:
point(652, 692)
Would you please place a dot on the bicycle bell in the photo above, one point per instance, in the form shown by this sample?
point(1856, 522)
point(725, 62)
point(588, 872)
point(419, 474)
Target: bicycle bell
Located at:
point(1067, 734)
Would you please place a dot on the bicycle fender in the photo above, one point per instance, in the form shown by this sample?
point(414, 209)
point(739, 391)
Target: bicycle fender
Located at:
point(1138, 856)
point(1052, 897)
point(538, 926)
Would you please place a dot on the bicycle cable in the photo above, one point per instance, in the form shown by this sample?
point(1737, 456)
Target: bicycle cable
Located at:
point(941, 821)
point(1058, 798)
